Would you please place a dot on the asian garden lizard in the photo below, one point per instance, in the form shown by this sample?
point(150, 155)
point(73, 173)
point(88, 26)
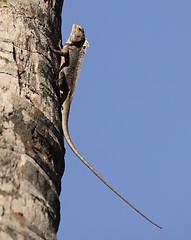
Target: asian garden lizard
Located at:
point(71, 59)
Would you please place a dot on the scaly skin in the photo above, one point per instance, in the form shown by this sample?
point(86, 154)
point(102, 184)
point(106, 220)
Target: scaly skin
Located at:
point(73, 52)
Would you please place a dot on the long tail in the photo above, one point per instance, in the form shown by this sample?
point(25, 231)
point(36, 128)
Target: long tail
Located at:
point(69, 141)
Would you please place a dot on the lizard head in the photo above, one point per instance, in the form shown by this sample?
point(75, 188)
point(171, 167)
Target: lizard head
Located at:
point(77, 35)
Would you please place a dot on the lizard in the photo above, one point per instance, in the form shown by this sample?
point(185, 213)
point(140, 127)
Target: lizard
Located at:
point(71, 59)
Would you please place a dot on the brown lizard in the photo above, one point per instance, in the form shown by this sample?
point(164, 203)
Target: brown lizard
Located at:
point(72, 55)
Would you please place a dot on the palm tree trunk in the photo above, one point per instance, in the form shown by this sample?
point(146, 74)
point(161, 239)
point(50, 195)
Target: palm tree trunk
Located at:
point(31, 138)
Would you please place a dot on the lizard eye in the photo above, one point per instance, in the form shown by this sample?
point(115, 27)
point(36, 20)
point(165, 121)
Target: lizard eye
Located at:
point(80, 29)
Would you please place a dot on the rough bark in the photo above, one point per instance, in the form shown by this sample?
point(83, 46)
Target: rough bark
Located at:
point(31, 142)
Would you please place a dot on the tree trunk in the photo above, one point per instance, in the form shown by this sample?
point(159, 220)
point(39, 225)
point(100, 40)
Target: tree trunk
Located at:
point(31, 138)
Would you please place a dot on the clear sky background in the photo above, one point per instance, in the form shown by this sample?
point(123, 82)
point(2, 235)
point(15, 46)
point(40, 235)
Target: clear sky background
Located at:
point(131, 119)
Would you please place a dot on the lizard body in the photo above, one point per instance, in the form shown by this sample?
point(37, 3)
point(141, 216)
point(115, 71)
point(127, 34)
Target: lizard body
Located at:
point(72, 55)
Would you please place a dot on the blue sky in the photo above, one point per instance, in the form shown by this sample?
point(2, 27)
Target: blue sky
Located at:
point(131, 119)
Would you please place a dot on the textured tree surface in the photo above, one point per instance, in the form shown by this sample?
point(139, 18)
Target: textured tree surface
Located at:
point(31, 140)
